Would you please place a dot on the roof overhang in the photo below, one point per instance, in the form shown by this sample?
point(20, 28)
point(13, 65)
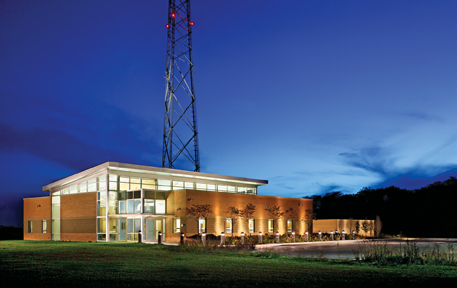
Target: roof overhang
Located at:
point(167, 172)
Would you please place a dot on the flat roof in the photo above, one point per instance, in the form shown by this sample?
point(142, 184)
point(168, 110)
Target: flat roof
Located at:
point(115, 166)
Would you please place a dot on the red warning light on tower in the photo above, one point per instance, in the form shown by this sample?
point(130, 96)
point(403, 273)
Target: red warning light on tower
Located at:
point(168, 26)
point(191, 23)
point(173, 15)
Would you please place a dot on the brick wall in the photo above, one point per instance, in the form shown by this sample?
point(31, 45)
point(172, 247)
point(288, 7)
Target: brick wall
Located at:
point(78, 217)
point(37, 210)
point(221, 201)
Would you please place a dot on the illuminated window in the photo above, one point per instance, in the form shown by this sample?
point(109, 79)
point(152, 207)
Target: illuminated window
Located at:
point(228, 225)
point(251, 190)
point(211, 187)
point(83, 187)
point(201, 186)
point(148, 206)
point(74, 189)
point(251, 226)
point(176, 225)
point(289, 225)
point(148, 183)
point(30, 227)
point(160, 207)
point(178, 185)
point(222, 188)
point(189, 185)
point(44, 226)
point(201, 225)
point(102, 183)
point(92, 185)
point(242, 190)
point(231, 189)
point(270, 226)
point(164, 184)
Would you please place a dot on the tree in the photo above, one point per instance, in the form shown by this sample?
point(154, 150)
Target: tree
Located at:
point(371, 227)
point(293, 214)
point(309, 217)
point(199, 211)
point(247, 213)
point(274, 212)
point(365, 226)
point(377, 226)
point(351, 226)
point(234, 214)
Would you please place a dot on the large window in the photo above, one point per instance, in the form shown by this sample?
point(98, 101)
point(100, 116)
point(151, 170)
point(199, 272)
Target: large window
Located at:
point(228, 225)
point(44, 226)
point(176, 225)
point(29, 226)
point(148, 205)
point(251, 226)
point(160, 207)
point(289, 225)
point(201, 225)
point(270, 226)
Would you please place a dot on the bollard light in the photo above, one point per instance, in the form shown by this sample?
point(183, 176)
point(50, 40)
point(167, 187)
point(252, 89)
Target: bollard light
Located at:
point(277, 233)
point(293, 233)
point(331, 232)
point(320, 232)
point(260, 233)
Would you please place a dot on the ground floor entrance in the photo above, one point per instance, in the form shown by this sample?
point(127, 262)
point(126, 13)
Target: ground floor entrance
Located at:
point(130, 228)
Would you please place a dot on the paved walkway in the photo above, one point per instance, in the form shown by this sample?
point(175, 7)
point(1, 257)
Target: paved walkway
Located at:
point(345, 249)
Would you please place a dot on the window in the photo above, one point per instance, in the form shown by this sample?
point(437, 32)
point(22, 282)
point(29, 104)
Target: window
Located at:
point(228, 225)
point(270, 225)
point(251, 226)
point(148, 206)
point(30, 226)
point(289, 225)
point(177, 225)
point(242, 190)
point(44, 227)
point(201, 186)
point(201, 225)
point(178, 185)
point(160, 207)
point(222, 188)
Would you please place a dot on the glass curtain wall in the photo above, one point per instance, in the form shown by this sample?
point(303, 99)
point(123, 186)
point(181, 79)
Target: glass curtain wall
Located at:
point(55, 214)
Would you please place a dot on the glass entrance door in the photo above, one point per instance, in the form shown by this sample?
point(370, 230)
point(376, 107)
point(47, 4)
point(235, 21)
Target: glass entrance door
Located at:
point(133, 227)
point(122, 229)
point(150, 230)
point(159, 228)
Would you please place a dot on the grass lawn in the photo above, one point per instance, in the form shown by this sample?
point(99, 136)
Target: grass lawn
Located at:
point(63, 264)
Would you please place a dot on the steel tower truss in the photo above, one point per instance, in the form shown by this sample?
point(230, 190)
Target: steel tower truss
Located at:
point(180, 126)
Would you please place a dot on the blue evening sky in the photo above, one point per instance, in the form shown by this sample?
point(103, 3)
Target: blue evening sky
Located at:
point(313, 96)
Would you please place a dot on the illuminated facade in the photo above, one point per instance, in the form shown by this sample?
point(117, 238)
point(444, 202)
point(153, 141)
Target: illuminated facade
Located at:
point(115, 201)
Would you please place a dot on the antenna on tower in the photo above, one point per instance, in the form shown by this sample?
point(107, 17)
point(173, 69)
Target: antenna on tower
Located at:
point(180, 139)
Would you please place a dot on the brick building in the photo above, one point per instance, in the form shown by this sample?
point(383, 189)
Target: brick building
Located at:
point(114, 201)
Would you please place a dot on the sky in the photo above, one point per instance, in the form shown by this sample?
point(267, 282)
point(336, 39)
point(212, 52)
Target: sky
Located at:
point(313, 96)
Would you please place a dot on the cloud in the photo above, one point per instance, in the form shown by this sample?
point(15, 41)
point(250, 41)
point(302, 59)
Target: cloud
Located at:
point(422, 116)
point(373, 159)
point(92, 141)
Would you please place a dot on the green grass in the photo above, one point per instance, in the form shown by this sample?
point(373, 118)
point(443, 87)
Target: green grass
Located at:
point(72, 264)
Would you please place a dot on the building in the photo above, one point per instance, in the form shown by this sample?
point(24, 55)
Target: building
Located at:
point(115, 201)
point(348, 225)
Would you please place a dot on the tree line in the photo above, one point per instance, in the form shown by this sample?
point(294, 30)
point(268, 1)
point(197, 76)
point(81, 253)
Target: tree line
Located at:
point(425, 212)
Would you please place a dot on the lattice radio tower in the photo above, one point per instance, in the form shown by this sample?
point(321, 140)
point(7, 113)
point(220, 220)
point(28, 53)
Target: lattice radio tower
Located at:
point(180, 127)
